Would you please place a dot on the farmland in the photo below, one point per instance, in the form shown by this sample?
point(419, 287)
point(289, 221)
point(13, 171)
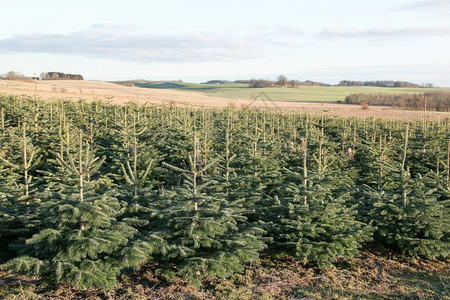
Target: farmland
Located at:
point(95, 193)
point(197, 96)
point(299, 94)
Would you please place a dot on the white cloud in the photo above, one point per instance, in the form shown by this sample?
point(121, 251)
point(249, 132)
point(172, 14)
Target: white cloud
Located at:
point(384, 33)
point(429, 4)
point(114, 27)
point(123, 43)
point(429, 8)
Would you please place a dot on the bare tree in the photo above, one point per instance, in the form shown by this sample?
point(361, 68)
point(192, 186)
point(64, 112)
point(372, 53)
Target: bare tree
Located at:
point(11, 75)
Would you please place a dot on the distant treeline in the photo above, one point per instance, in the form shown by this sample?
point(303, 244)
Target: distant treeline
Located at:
point(12, 75)
point(437, 101)
point(258, 83)
point(261, 83)
point(60, 76)
point(283, 81)
point(383, 83)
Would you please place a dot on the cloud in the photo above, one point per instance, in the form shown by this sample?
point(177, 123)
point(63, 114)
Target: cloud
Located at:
point(430, 8)
point(428, 4)
point(384, 33)
point(114, 27)
point(124, 43)
point(285, 31)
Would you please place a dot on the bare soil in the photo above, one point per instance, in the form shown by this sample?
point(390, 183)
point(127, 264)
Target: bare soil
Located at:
point(118, 94)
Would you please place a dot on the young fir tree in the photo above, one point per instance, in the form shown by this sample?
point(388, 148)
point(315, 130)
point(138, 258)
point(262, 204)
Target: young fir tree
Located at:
point(377, 172)
point(137, 161)
point(208, 236)
point(258, 163)
point(82, 243)
point(19, 212)
point(410, 218)
point(375, 160)
point(310, 221)
point(225, 179)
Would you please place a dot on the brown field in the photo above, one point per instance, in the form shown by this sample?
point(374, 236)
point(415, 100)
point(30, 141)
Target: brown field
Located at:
point(99, 90)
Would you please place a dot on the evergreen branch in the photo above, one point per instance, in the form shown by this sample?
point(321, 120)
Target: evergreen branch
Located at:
point(175, 168)
point(87, 156)
point(62, 162)
point(192, 165)
point(27, 163)
point(38, 160)
point(94, 169)
point(9, 163)
point(72, 162)
point(290, 171)
point(131, 173)
point(142, 131)
point(210, 164)
point(146, 170)
point(127, 178)
point(315, 158)
point(232, 157)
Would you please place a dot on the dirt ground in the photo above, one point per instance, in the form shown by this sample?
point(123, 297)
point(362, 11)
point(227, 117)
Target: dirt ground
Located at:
point(95, 90)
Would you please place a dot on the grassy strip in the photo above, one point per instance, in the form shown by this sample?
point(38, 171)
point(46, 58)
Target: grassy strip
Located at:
point(367, 277)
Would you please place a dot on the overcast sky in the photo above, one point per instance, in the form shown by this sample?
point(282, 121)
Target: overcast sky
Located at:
point(197, 40)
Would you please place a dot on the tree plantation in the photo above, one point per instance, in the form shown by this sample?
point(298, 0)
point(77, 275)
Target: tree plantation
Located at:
point(90, 190)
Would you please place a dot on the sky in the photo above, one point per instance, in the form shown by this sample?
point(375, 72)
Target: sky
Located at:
point(199, 40)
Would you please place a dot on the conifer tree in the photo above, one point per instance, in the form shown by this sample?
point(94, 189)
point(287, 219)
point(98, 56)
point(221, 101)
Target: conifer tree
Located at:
point(82, 243)
point(138, 161)
point(28, 160)
point(375, 159)
point(19, 210)
point(310, 221)
point(410, 218)
point(207, 234)
point(225, 177)
point(257, 164)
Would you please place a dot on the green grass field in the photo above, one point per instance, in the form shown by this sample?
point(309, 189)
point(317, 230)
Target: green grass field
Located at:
point(299, 94)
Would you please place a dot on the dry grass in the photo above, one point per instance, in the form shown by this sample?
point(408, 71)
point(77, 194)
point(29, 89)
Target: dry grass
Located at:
point(119, 94)
point(367, 277)
point(232, 105)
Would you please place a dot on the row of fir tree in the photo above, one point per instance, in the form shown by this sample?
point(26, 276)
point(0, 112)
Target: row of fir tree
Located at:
point(90, 190)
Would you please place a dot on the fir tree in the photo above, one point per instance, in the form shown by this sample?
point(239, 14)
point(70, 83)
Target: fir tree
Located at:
point(82, 243)
point(410, 218)
point(310, 221)
point(257, 165)
point(207, 234)
point(138, 159)
point(19, 210)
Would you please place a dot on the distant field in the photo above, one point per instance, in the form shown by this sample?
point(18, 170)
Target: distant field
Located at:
point(213, 96)
point(300, 94)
